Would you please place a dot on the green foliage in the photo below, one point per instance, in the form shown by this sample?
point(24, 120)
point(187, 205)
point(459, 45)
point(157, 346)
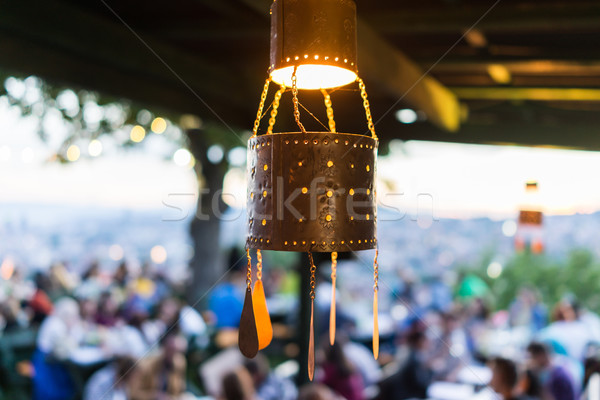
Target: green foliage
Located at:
point(85, 115)
point(578, 275)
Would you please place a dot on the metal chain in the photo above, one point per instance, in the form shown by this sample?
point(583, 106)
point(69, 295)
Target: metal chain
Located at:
point(313, 269)
point(259, 265)
point(249, 269)
point(363, 94)
point(329, 108)
point(295, 100)
point(261, 105)
point(376, 272)
point(274, 109)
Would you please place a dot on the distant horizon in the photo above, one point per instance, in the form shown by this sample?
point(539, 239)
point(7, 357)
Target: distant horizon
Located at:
point(454, 180)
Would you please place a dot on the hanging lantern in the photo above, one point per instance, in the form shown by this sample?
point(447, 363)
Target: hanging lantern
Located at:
point(309, 191)
point(529, 231)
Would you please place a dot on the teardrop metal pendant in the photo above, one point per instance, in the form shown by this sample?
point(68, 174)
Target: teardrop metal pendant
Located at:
point(311, 344)
point(332, 307)
point(375, 326)
point(332, 314)
point(248, 336)
point(264, 328)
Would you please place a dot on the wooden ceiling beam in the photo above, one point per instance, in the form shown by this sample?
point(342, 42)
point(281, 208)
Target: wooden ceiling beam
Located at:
point(505, 17)
point(383, 65)
point(520, 93)
point(529, 67)
point(104, 55)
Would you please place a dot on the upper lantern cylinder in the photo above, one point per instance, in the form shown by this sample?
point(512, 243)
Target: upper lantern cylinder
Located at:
point(316, 36)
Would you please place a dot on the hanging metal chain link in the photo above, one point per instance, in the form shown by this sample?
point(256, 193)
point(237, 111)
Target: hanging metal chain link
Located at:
point(274, 109)
point(363, 94)
point(295, 100)
point(376, 271)
point(261, 105)
point(329, 108)
point(313, 269)
point(259, 265)
point(249, 269)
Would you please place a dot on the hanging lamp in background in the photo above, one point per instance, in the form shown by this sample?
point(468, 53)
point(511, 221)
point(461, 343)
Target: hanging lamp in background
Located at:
point(309, 191)
point(529, 235)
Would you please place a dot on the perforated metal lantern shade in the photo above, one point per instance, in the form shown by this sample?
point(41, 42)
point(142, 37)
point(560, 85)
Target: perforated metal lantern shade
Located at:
point(312, 191)
point(316, 36)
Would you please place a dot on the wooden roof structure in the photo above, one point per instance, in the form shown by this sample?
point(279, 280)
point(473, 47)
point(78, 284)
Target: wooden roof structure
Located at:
point(479, 71)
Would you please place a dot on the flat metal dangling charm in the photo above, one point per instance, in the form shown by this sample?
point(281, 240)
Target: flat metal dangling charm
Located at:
point(248, 336)
point(332, 322)
point(264, 328)
point(375, 326)
point(311, 343)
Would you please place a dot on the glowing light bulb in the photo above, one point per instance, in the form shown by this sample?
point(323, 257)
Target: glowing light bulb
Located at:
point(314, 76)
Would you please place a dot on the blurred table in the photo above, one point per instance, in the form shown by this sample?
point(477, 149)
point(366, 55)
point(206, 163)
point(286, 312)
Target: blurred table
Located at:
point(458, 391)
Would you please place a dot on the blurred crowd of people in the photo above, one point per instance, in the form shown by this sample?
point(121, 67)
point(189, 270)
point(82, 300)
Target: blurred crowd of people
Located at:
point(121, 335)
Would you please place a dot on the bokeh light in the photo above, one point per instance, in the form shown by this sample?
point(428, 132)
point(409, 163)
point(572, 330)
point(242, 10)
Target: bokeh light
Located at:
point(95, 148)
point(159, 125)
point(115, 252)
point(7, 268)
point(215, 154)
point(158, 254)
point(182, 157)
point(237, 156)
point(144, 117)
point(494, 269)
point(509, 228)
point(406, 116)
point(137, 134)
point(73, 153)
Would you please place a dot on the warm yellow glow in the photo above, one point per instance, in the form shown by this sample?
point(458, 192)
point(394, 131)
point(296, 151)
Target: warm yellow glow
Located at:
point(304, 190)
point(7, 269)
point(313, 76)
point(330, 164)
point(158, 254)
point(137, 134)
point(329, 193)
point(158, 125)
point(328, 217)
point(499, 73)
point(73, 153)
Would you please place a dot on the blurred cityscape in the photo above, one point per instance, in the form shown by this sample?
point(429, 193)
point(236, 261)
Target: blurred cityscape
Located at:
point(37, 235)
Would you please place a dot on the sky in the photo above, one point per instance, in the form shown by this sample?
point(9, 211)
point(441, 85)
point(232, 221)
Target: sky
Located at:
point(442, 179)
point(138, 177)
